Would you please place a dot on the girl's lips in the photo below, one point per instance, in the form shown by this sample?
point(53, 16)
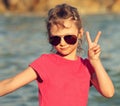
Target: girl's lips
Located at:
point(64, 48)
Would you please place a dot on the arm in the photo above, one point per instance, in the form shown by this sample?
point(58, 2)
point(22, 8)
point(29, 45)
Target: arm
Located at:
point(100, 79)
point(11, 84)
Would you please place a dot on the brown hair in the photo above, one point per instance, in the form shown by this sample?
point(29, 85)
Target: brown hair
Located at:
point(63, 11)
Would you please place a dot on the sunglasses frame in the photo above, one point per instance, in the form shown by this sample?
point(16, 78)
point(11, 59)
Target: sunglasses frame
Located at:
point(69, 39)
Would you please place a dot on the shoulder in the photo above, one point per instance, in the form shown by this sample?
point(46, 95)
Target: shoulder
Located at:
point(84, 61)
point(41, 64)
point(87, 64)
point(43, 58)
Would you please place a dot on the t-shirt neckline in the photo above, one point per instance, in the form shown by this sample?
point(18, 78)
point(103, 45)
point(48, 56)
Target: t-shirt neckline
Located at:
point(64, 60)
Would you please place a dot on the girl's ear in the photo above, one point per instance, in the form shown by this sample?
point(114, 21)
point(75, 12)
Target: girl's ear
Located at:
point(81, 31)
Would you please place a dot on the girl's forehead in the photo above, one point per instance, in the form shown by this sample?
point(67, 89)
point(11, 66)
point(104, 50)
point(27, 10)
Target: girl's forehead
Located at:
point(67, 26)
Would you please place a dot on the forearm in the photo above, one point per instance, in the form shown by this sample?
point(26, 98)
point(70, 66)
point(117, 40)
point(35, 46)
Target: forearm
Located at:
point(5, 86)
point(11, 84)
point(104, 83)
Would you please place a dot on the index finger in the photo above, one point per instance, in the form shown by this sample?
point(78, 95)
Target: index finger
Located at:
point(97, 37)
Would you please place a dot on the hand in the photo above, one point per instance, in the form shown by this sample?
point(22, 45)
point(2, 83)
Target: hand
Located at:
point(94, 49)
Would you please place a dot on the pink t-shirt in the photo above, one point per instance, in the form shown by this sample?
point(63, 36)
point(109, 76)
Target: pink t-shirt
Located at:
point(62, 82)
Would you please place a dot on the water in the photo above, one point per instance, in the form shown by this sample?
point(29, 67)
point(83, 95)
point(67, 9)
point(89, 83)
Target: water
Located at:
point(22, 39)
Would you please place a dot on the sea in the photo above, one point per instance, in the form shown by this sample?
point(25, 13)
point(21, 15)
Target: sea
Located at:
point(24, 38)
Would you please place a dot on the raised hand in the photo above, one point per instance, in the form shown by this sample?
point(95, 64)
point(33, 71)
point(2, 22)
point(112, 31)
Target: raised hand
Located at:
point(94, 49)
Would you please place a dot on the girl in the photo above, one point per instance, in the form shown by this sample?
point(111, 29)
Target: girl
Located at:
point(63, 77)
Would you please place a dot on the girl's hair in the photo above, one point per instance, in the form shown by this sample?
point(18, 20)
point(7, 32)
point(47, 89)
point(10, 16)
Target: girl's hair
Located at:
point(60, 12)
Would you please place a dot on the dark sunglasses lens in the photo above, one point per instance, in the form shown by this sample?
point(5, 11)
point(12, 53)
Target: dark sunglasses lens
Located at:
point(70, 39)
point(54, 40)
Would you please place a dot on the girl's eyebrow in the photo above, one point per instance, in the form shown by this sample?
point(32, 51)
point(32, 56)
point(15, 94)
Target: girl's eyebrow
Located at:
point(63, 35)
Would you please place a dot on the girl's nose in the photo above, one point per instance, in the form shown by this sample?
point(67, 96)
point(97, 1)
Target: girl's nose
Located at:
point(62, 42)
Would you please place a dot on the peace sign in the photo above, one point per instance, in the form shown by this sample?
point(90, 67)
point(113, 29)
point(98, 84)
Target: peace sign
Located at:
point(94, 49)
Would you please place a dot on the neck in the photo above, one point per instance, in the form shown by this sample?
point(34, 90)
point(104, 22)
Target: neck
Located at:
point(68, 57)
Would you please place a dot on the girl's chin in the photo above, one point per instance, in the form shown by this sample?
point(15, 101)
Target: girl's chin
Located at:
point(62, 53)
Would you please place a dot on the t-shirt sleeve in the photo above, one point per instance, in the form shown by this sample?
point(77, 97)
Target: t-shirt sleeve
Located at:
point(38, 66)
point(90, 68)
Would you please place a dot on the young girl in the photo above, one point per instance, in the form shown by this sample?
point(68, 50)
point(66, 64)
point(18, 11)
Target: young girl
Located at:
point(63, 77)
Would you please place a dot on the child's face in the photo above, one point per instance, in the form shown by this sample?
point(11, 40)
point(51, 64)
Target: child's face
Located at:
point(64, 48)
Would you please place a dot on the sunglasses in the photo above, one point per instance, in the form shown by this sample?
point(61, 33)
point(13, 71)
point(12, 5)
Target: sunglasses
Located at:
point(69, 39)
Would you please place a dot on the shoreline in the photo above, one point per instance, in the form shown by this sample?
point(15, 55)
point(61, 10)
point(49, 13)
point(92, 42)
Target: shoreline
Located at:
point(32, 14)
point(41, 7)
